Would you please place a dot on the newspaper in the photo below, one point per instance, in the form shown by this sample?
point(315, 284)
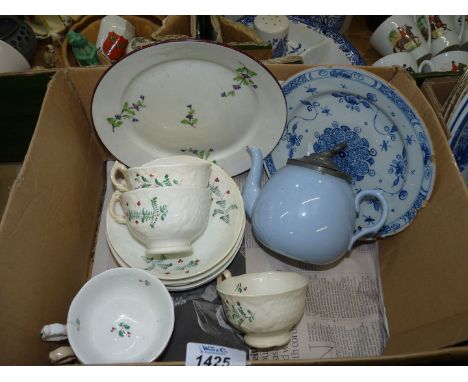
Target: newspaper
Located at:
point(345, 314)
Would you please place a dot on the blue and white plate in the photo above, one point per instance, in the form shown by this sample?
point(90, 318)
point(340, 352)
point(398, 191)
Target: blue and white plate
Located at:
point(316, 43)
point(388, 148)
point(458, 126)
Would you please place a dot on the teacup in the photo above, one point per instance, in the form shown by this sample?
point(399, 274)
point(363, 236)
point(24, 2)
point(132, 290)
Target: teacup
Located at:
point(444, 32)
point(273, 29)
point(123, 315)
point(265, 306)
point(164, 220)
point(161, 175)
point(401, 34)
point(452, 61)
point(405, 60)
point(114, 35)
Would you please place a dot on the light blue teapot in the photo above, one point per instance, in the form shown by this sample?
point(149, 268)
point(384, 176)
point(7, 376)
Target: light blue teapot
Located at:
point(307, 210)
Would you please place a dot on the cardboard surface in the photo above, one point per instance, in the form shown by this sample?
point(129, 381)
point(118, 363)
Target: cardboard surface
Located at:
point(48, 230)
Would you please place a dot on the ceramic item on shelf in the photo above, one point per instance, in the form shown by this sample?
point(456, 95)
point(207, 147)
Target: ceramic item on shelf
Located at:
point(462, 27)
point(389, 147)
point(84, 52)
point(62, 356)
point(114, 35)
point(194, 174)
point(264, 306)
point(198, 279)
point(316, 43)
point(453, 61)
point(19, 35)
point(226, 221)
point(166, 220)
point(444, 32)
point(122, 315)
point(307, 210)
point(137, 43)
point(273, 29)
point(405, 60)
point(458, 126)
point(401, 34)
point(11, 60)
point(188, 97)
point(50, 56)
point(333, 22)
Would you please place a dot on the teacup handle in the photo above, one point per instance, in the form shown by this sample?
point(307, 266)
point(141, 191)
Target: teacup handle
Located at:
point(223, 276)
point(118, 167)
point(54, 332)
point(424, 64)
point(62, 356)
point(376, 227)
point(114, 199)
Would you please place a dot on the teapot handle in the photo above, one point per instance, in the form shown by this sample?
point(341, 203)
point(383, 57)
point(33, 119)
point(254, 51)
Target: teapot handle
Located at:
point(377, 226)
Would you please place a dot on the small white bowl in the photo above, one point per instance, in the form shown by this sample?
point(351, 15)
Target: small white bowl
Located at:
point(265, 306)
point(122, 315)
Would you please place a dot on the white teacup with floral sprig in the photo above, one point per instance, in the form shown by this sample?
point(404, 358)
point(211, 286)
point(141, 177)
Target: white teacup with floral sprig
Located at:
point(194, 174)
point(165, 220)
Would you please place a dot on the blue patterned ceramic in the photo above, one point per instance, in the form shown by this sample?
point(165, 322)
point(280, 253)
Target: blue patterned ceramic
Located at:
point(315, 42)
point(388, 147)
point(304, 213)
point(458, 141)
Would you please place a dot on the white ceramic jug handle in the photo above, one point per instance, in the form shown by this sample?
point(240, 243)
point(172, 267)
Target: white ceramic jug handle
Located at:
point(223, 276)
point(116, 168)
point(62, 356)
point(426, 63)
point(376, 227)
point(54, 332)
point(114, 199)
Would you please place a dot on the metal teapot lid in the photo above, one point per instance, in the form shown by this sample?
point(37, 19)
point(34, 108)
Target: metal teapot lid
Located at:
point(323, 162)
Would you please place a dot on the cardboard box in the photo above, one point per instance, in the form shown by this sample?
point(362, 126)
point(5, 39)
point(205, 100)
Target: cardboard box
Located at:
point(49, 225)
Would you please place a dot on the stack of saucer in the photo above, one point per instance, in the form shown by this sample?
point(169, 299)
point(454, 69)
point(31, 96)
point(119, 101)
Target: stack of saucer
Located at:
point(211, 252)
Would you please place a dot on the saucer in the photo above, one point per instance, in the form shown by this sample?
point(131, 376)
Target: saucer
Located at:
point(389, 147)
point(196, 97)
point(226, 222)
point(316, 43)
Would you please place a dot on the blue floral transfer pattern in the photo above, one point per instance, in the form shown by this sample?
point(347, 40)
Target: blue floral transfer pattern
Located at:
point(358, 157)
point(388, 147)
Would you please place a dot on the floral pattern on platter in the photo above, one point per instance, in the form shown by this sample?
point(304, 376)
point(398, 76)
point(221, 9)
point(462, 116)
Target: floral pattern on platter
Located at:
point(158, 212)
point(154, 181)
point(243, 78)
point(128, 112)
point(222, 208)
point(237, 313)
point(202, 154)
point(122, 329)
point(280, 46)
point(357, 158)
point(189, 118)
point(170, 265)
point(388, 146)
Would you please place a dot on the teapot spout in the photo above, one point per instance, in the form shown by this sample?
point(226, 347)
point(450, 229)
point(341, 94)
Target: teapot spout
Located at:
point(252, 188)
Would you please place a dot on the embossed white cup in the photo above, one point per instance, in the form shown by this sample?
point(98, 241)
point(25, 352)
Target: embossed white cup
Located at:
point(273, 29)
point(194, 174)
point(265, 306)
point(164, 220)
point(123, 315)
